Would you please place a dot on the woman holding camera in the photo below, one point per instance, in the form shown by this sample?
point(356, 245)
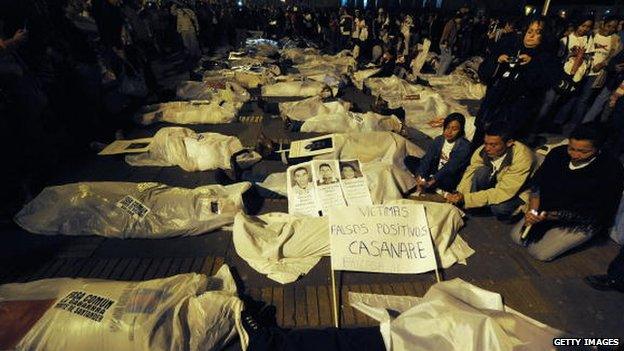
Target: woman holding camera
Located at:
point(517, 72)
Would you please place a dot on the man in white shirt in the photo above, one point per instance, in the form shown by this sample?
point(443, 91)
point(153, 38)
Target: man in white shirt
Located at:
point(188, 27)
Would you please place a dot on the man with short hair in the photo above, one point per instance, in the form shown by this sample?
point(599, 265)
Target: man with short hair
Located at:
point(574, 196)
point(497, 175)
point(327, 175)
point(302, 180)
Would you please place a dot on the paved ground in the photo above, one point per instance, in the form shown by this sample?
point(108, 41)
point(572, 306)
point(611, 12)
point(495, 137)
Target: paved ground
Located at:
point(550, 292)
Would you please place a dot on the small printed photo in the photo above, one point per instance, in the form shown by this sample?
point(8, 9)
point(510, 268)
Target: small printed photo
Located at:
point(319, 144)
point(301, 178)
point(326, 174)
point(135, 146)
point(350, 170)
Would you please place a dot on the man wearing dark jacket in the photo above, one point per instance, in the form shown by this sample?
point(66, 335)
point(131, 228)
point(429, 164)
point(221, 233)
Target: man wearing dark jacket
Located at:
point(574, 196)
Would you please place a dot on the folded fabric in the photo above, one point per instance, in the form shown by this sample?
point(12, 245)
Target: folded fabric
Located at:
point(285, 247)
point(182, 312)
point(131, 210)
point(453, 315)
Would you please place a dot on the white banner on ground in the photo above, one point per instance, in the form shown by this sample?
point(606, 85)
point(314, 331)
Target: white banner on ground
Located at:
point(127, 146)
point(381, 239)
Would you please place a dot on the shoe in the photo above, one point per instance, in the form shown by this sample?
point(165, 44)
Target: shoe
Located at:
point(251, 324)
point(604, 283)
point(265, 146)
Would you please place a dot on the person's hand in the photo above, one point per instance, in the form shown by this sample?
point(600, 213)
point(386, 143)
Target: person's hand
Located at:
point(503, 58)
point(455, 198)
point(20, 35)
point(430, 183)
point(524, 59)
point(531, 217)
point(420, 181)
point(613, 100)
point(599, 66)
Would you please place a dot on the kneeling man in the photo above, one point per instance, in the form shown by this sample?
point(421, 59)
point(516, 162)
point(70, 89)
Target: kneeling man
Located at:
point(574, 196)
point(497, 175)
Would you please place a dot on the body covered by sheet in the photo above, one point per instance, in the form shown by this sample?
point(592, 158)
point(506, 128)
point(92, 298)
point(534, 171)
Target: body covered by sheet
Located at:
point(285, 247)
point(295, 88)
point(352, 122)
point(207, 90)
point(182, 312)
point(249, 77)
point(302, 110)
point(182, 147)
point(462, 84)
point(453, 315)
point(214, 111)
point(421, 104)
point(131, 210)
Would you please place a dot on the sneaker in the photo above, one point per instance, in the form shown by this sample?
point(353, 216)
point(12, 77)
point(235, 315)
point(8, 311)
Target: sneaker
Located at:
point(251, 324)
point(604, 283)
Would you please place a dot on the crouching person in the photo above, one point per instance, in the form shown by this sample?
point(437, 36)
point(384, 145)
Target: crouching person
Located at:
point(446, 158)
point(497, 175)
point(574, 196)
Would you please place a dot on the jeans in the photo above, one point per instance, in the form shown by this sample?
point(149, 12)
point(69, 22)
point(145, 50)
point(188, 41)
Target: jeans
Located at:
point(574, 110)
point(482, 180)
point(598, 106)
point(446, 58)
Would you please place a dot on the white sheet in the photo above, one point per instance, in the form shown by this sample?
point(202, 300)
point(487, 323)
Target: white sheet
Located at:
point(182, 312)
point(453, 315)
point(182, 147)
point(151, 211)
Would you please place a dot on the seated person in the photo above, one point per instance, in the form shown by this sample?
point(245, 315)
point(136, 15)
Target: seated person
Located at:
point(446, 158)
point(497, 175)
point(574, 195)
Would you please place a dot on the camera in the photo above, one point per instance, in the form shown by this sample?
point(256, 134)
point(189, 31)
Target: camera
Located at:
point(513, 60)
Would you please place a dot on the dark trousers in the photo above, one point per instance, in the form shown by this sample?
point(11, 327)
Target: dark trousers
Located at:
point(482, 180)
point(330, 339)
point(616, 268)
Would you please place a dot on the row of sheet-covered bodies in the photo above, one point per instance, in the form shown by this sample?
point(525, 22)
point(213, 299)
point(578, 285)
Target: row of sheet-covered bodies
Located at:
point(222, 94)
point(195, 312)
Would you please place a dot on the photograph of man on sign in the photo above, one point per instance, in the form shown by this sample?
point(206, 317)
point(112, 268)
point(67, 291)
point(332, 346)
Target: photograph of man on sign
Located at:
point(301, 182)
point(327, 175)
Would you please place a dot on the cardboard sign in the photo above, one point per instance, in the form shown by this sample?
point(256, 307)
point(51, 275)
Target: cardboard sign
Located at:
point(381, 239)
